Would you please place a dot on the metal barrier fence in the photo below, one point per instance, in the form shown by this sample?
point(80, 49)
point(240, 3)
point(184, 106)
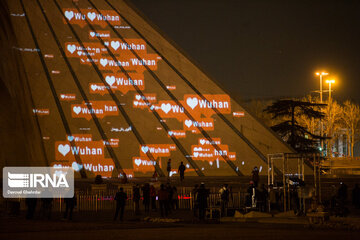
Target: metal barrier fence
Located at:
point(104, 200)
point(185, 200)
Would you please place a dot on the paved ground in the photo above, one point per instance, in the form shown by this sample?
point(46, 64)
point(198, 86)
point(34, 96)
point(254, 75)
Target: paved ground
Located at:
point(90, 225)
point(222, 231)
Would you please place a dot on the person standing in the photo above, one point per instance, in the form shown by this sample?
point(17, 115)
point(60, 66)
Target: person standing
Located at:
point(136, 199)
point(224, 195)
point(294, 199)
point(255, 176)
point(202, 196)
point(46, 206)
point(153, 197)
point(356, 196)
point(155, 176)
point(146, 197)
point(31, 207)
point(175, 200)
point(262, 198)
point(169, 190)
point(120, 199)
point(181, 171)
point(163, 200)
point(168, 167)
point(342, 195)
point(70, 204)
point(195, 200)
point(252, 196)
point(273, 198)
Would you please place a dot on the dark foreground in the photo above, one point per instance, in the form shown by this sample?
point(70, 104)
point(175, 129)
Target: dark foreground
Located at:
point(183, 231)
point(101, 226)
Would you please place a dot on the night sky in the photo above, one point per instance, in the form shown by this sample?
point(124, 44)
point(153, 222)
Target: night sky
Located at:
point(263, 48)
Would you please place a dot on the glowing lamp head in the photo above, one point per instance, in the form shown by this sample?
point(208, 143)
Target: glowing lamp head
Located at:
point(322, 73)
point(330, 81)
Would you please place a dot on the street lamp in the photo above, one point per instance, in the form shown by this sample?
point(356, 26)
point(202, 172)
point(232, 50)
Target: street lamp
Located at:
point(321, 74)
point(330, 82)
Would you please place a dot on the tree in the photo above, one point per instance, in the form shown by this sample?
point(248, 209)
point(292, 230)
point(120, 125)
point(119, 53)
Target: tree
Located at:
point(331, 123)
point(351, 119)
point(290, 130)
point(309, 123)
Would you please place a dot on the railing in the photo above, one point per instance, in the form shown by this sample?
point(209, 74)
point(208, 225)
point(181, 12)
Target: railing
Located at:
point(346, 162)
point(344, 165)
point(104, 200)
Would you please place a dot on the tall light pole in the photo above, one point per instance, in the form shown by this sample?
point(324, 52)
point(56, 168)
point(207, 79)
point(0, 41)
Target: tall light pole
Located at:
point(321, 74)
point(330, 82)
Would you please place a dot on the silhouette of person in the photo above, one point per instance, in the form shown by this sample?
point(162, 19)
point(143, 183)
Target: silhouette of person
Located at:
point(202, 195)
point(175, 198)
point(155, 176)
point(136, 199)
point(146, 197)
point(153, 197)
point(342, 192)
point(120, 199)
point(70, 204)
point(31, 206)
point(251, 197)
point(255, 176)
point(224, 195)
point(181, 171)
point(163, 200)
point(168, 204)
point(273, 198)
point(356, 196)
point(14, 206)
point(195, 201)
point(262, 198)
point(124, 179)
point(168, 167)
point(46, 205)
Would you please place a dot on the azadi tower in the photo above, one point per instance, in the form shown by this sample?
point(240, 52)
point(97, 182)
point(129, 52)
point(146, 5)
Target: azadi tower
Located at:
point(89, 84)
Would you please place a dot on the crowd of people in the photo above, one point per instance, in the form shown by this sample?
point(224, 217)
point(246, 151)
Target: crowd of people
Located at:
point(166, 195)
point(46, 206)
point(164, 198)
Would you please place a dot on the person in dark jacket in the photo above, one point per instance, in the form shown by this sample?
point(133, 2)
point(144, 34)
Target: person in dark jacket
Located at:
point(181, 171)
point(170, 192)
point(255, 176)
point(175, 198)
point(46, 206)
point(356, 196)
point(120, 199)
point(136, 199)
point(31, 207)
point(146, 197)
point(202, 196)
point(251, 197)
point(168, 167)
point(70, 204)
point(342, 193)
point(195, 201)
point(224, 196)
point(153, 197)
point(163, 200)
point(262, 198)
